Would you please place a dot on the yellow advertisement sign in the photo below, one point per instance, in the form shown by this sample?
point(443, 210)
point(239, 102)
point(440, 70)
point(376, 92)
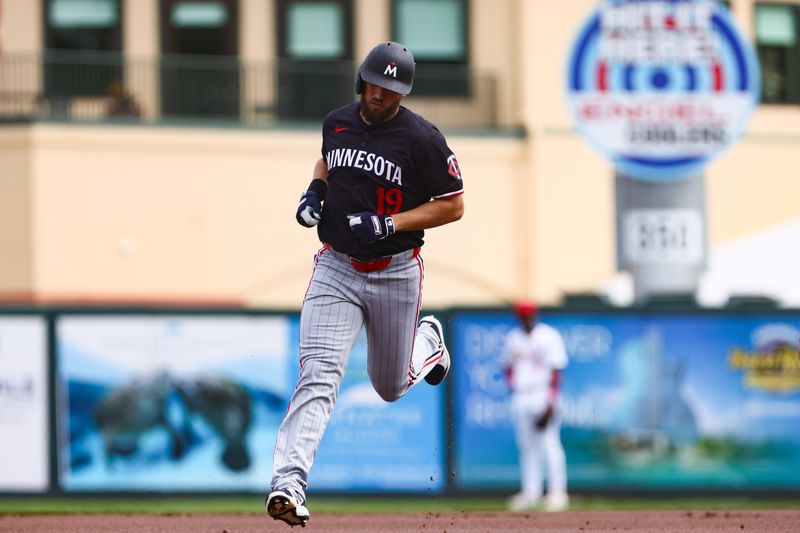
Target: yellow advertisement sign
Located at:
point(776, 369)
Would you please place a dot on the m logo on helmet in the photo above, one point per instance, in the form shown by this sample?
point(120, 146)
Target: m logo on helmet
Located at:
point(391, 70)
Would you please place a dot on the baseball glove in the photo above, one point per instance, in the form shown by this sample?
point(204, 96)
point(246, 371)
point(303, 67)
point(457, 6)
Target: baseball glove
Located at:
point(545, 418)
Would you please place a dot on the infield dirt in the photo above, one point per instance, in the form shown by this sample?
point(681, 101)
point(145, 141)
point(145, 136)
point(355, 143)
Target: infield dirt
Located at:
point(450, 522)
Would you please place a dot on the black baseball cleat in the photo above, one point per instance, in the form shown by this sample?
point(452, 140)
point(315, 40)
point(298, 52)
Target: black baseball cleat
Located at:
point(439, 372)
point(282, 506)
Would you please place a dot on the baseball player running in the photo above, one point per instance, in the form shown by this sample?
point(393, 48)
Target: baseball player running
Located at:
point(534, 357)
point(386, 175)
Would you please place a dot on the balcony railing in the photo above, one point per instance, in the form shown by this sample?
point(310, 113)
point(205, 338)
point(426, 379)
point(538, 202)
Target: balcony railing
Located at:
point(97, 87)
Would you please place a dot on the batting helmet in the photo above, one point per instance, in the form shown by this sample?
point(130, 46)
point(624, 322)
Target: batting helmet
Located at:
point(389, 65)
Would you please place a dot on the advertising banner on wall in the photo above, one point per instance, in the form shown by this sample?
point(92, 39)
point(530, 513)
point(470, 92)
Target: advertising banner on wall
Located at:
point(24, 464)
point(161, 402)
point(648, 401)
point(194, 403)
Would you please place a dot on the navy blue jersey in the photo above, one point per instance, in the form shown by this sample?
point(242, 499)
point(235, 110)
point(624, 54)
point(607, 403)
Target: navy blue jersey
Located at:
point(385, 168)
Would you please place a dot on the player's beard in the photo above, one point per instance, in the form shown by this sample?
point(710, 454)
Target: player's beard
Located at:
point(377, 117)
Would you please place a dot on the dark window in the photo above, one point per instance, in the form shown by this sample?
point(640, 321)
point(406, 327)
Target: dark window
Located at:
point(436, 33)
point(777, 45)
point(315, 68)
point(199, 62)
point(83, 42)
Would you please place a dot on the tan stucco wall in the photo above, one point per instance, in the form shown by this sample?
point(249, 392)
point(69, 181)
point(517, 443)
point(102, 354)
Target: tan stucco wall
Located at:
point(16, 217)
point(755, 184)
point(21, 26)
point(137, 212)
point(141, 41)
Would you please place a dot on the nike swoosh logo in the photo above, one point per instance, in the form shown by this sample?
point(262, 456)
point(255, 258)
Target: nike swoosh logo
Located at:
point(339, 129)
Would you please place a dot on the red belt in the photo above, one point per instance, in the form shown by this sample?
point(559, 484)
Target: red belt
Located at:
point(372, 265)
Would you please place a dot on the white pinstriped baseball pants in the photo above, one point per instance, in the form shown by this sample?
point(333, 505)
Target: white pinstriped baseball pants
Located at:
point(534, 445)
point(339, 301)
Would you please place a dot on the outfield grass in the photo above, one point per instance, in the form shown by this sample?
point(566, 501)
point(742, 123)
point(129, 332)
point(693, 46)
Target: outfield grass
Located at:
point(334, 504)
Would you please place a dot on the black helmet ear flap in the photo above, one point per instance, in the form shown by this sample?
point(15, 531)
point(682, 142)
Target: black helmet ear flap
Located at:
point(359, 82)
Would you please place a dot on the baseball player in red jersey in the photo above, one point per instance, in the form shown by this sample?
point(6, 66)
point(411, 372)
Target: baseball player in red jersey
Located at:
point(386, 174)
point(534, 357)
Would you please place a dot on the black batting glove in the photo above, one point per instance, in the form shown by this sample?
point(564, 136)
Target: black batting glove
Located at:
point(309, 212)
point(369, 227)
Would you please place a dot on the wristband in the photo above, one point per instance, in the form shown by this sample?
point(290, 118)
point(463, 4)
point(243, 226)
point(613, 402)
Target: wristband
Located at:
point(319, 187)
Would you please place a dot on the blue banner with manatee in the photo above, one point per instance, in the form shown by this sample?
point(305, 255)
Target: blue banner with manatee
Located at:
point(170, 402)
point(194, 402)
point(705, 401)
